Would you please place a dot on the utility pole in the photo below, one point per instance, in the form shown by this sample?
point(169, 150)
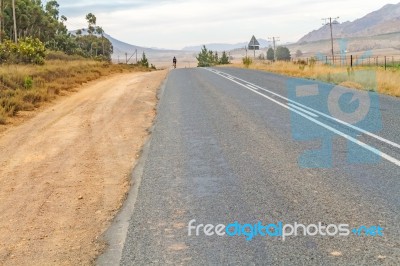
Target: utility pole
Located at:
point(254, 47)
point(274, 41)
point(15, 22)
point(330, 25)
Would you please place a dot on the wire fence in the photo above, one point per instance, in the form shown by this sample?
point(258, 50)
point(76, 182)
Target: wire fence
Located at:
point(353, 60)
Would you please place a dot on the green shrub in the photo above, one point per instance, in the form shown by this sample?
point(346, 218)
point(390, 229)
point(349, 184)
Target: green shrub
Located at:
point(28, 82)
point(247, 61)
point(206, 58)
point(28, 51)
point(31, 51)
point(144, 62)
point(224, 59)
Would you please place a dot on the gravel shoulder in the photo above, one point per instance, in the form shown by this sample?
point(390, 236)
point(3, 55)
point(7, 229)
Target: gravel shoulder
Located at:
point(65, 173)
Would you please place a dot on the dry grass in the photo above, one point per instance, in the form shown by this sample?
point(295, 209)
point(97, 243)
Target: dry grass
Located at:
point(25, 87)
point(388, 82)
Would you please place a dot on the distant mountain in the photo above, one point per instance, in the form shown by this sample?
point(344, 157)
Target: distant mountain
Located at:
point(123, 47)
point(383, 21)
point(123, 50)
point(225, 46)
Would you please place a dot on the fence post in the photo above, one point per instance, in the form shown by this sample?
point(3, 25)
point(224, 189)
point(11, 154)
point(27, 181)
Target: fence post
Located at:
point(351, 61)
point(385, 62)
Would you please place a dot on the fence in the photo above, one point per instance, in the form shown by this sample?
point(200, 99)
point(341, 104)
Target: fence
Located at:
point(354, 60)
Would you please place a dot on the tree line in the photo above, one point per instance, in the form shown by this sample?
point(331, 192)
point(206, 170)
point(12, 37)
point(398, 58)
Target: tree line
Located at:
point(41, 25)
point(282, 54)
point(207, 58)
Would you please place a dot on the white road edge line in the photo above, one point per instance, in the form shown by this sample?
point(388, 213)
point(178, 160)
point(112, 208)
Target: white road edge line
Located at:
point(394, 144)
point(356, 141)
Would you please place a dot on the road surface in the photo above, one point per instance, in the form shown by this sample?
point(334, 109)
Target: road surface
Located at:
point(228, 145)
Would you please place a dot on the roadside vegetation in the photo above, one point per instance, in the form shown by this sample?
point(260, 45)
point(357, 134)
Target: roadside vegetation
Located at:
point(47, 60)
point(359, 77)
point(387, 80)
point(41, 24)
point(26, 87)
point(207, 58)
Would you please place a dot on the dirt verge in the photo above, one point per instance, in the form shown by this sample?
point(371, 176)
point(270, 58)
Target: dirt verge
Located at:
point(64, 173)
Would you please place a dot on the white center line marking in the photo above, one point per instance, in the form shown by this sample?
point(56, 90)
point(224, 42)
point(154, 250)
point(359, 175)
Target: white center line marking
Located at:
point(292, 108)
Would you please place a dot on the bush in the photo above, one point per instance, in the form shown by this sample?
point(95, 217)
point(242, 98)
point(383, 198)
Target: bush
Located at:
point(271, 54)
point(224, 59)
point(8, 52)
point(205, 58)
point(28, 50)
point(247, 61)
point(33, 97)
point(11, 106)
point(31, 51)
point(144, 62)
point(283, 54)
point(28, 82)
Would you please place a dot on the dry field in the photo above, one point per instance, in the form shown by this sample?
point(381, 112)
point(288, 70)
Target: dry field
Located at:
point(387, 80)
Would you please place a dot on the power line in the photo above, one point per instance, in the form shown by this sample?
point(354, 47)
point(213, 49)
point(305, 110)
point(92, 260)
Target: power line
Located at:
point(330, 25)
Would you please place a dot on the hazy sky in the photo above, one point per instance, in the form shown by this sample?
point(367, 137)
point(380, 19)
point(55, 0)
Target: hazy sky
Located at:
point(178, 23)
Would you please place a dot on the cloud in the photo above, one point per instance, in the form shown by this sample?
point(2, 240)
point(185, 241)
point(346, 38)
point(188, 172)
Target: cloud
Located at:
point(174, 24)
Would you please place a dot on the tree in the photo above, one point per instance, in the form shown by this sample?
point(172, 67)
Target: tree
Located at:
point(283, 53)
point(52, 8)
point(224, 59)
point(44, 22)
point(299, 53)
point(144, 62)
point(99, 30)
point(216, 58)
point(205, 58)
point(91, 20)
point(270, 54)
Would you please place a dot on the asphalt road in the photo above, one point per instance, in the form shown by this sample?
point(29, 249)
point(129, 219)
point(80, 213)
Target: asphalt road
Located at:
point(227, 147)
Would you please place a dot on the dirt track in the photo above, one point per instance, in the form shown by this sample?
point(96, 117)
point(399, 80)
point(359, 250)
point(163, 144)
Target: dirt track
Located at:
point(64, 173)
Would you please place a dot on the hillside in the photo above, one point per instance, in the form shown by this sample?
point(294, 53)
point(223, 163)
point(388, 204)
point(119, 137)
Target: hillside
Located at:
point(159, 57)
point(383, 21)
